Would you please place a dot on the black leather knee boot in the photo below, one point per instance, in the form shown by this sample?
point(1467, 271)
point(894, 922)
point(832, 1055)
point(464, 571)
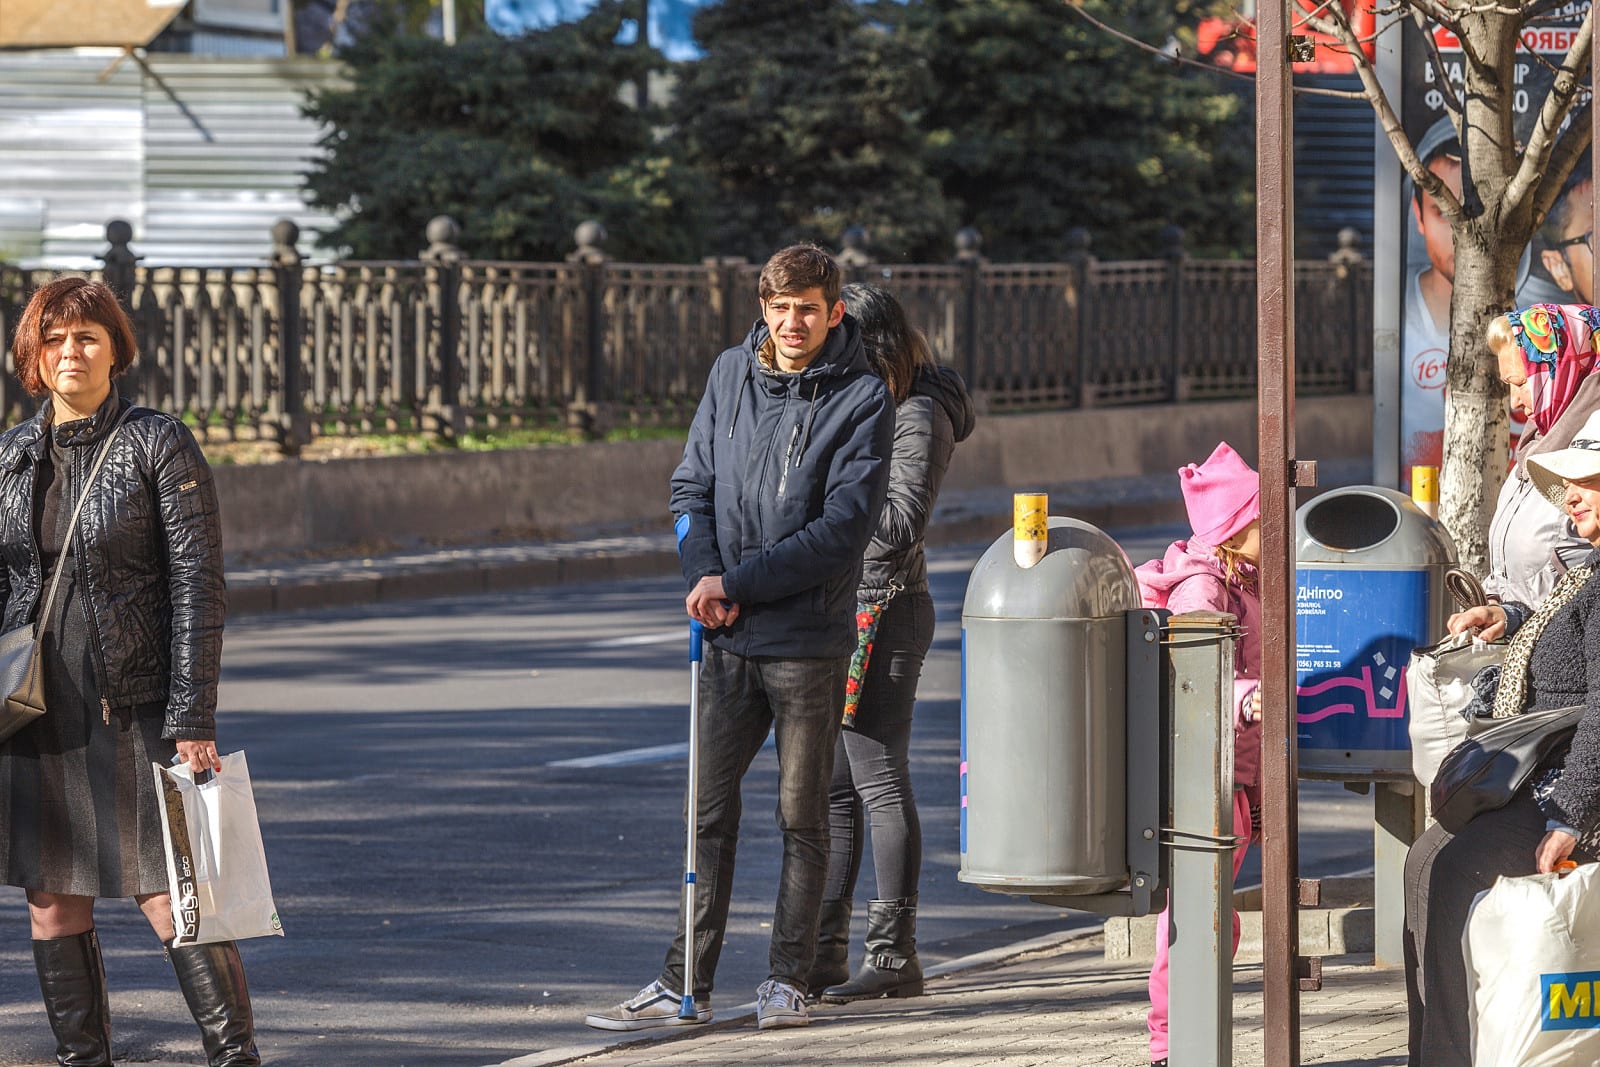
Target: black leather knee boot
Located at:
point(890, 968)
point(73, 981)
point(212, 980)
point(832, 964)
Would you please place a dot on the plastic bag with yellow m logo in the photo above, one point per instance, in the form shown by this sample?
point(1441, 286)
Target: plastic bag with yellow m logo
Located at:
point(1533, 969)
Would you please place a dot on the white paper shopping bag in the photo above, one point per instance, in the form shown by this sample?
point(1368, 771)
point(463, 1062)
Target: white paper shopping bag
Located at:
point(216, 866)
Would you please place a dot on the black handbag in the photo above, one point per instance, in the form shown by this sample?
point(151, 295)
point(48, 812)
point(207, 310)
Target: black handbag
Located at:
point(21, 669)
point(1485, 771)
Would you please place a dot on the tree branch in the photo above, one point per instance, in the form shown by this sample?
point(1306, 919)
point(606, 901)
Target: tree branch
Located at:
point(1452, 98)
point(1563, 158)
point(1438, 12)
point(1303, 90)
point(1338, 26)
point(1556, 107)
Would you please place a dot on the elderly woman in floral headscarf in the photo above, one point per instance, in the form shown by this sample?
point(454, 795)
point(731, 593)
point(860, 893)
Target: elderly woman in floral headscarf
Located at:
point(1547, 360)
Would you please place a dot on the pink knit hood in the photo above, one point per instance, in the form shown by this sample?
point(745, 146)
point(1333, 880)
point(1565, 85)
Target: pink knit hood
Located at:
point(1222, 495)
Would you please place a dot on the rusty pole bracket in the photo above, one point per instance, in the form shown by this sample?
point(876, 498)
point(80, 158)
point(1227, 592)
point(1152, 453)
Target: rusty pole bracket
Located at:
point(1308, 973)
point(1310, 893)
point(1303, 473)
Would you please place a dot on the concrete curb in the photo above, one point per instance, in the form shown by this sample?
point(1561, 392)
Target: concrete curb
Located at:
point(724, 1020)
point(376, 582)
point(962, 517)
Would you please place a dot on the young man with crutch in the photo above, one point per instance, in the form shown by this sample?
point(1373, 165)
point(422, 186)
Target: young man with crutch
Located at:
point(781, 483)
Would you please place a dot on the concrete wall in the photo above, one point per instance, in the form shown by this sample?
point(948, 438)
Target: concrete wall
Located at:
point(377, 503)
point(1015, 452)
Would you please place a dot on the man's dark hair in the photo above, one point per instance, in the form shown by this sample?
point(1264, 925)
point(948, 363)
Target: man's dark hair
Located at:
point(1561, 212)
point(798, 268)
point(1450, 149)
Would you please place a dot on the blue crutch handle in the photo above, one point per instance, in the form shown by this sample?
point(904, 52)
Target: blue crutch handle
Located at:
point(696, 632)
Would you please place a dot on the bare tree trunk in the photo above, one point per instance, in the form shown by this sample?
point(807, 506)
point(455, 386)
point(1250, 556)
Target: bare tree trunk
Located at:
point(1475, 423)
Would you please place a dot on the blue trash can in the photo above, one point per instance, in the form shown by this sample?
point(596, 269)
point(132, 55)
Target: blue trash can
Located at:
point(1371, 568)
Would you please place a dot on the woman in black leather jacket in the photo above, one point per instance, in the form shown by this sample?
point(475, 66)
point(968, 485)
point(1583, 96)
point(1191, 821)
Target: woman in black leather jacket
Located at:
point(872, 760)
point(132, 650)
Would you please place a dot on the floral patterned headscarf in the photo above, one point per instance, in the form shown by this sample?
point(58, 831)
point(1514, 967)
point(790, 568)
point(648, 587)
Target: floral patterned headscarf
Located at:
point(1557, 346)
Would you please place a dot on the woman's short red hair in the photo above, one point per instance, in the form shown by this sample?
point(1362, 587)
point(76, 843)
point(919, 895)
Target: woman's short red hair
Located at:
point(61, 303)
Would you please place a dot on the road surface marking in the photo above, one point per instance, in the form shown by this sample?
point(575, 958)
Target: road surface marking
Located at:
point(644, 639)
point(630, 756)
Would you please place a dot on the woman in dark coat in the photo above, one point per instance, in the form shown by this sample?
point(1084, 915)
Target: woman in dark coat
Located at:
point(1553, 662)
point(131, 654)
point(872, 762)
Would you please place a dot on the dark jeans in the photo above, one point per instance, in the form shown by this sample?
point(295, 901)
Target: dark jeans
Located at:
point(741, 698)
point(1444, 872)
point(872, 763)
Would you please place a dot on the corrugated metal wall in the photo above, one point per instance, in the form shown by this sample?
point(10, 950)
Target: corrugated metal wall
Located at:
point(1334, 147)
point(201, 158)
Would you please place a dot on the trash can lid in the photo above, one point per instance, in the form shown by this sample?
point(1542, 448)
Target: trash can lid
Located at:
point(1370, 525)
point(1084, 575)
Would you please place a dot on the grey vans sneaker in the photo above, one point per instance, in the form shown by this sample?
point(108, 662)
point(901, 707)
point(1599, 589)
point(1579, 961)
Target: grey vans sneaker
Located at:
point(779, 1004)
point(654, 1005)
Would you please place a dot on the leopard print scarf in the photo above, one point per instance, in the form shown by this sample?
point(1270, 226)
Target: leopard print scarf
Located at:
point(1513, 690)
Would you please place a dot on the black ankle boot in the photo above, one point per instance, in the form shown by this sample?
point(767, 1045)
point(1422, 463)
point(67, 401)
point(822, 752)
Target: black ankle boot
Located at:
point(212, 980)
point(832, 964)
point(890, 968)
point(73, 981)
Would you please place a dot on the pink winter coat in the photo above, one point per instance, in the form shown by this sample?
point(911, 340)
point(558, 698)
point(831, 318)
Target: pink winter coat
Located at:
point(1190, 578)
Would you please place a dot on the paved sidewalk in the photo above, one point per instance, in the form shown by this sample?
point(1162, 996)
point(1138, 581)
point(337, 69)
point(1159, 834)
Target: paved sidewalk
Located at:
point(1055, 1001)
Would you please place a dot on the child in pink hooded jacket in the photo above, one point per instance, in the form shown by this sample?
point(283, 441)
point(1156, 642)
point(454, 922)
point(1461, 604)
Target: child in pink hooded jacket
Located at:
point(1215, 570)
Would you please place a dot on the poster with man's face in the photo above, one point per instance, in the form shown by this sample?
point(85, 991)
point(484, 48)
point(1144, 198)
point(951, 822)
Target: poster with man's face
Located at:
point(1557, 267)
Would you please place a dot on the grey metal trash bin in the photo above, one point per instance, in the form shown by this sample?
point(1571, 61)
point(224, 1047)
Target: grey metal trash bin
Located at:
point(1370, 589)
point(1043, 705)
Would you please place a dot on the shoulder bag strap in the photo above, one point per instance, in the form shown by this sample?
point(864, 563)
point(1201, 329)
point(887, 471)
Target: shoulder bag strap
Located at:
point(72, 523)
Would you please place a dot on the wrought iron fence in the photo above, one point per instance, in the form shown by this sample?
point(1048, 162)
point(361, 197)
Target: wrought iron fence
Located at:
point(444, 344)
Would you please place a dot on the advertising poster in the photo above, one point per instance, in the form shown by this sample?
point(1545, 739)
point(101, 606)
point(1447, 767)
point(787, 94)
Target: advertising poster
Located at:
point(1557, 267)
point(1350, 661)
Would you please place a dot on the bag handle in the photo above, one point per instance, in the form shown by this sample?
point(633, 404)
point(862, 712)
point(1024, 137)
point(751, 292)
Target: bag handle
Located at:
point(1465, 588)
point(72, 523)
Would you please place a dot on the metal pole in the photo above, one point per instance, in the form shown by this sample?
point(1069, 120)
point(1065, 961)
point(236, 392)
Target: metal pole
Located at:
point(1281, 972)
point(1397, 821)
point(447, 15)
point(1200, 1026)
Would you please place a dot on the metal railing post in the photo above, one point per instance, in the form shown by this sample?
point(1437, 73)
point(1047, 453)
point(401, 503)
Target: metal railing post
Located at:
point(120, 261)
point(587, 413)
point(120, 270)
point(1175, 254)
point(969, 256)
point(1347, 261)
point(1082, 263)
point(443, 416)
point(1201, 839)
point(294, 425)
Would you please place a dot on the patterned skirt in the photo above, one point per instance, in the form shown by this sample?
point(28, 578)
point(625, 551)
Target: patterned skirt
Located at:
point(78, 803)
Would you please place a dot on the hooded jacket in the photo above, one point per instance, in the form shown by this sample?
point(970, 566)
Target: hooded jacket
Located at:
point(1190, 578)
point(148, 553)
point(780, 487)
point(928, 424)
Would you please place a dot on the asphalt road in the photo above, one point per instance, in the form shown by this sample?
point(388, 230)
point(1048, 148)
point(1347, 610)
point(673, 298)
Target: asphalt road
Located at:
point(471, 809)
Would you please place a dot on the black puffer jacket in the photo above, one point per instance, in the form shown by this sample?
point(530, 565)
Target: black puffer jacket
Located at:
point(927, 427)
point(148, 551)
point(782, 479)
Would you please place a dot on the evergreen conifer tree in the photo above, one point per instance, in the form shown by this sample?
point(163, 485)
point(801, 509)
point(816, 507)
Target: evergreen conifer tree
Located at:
point(805, 118)
point(519, 139)
point(1040, 123)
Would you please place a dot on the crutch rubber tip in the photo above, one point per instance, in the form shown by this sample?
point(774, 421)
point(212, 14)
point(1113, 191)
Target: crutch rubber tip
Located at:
point(686, 1009)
